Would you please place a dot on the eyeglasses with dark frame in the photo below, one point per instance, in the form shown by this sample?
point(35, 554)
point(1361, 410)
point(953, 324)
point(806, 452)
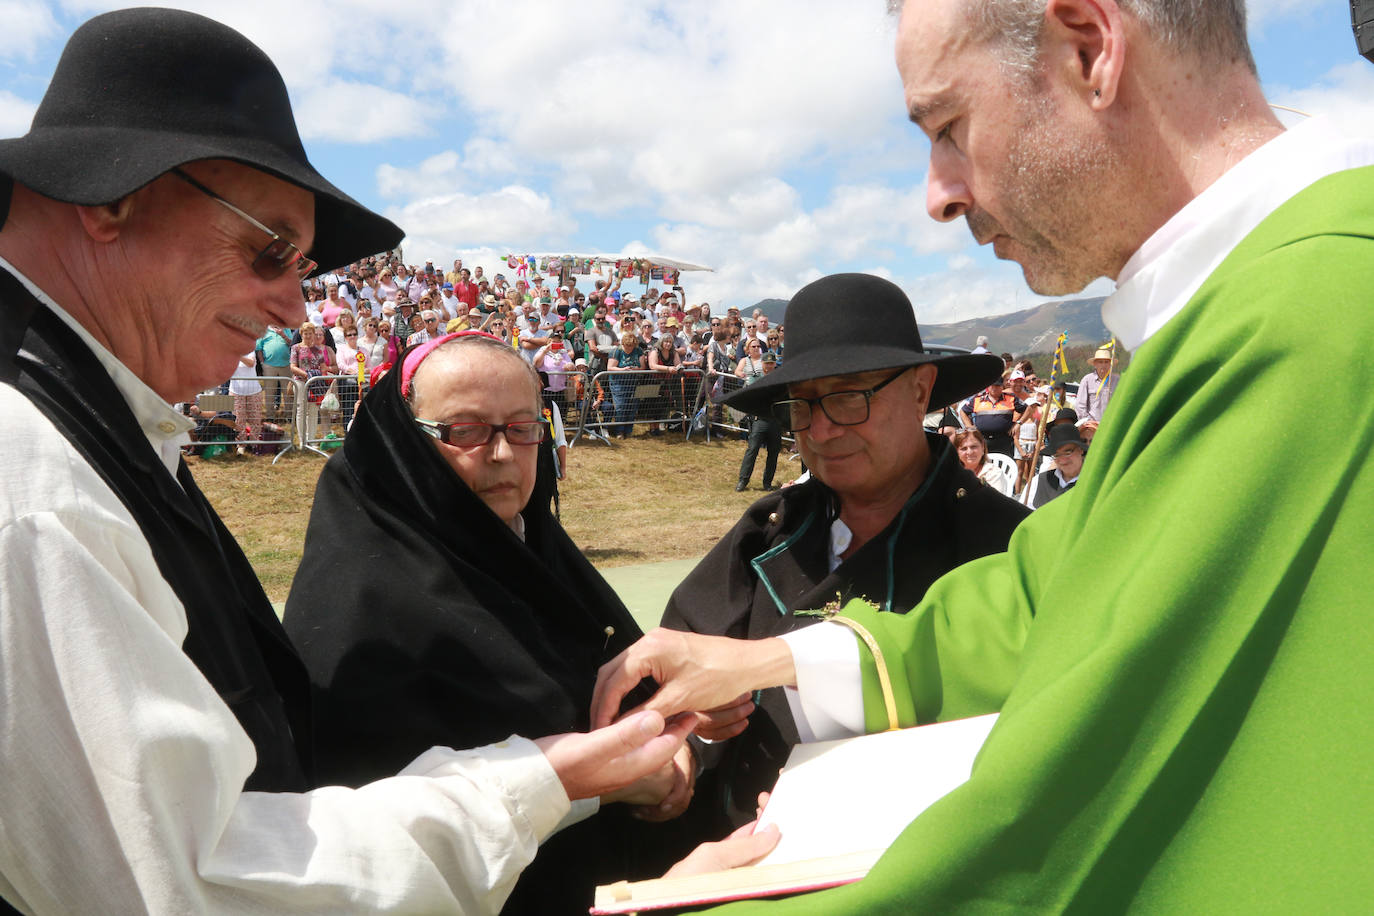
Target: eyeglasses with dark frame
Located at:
point(471, 435)
point(843, 408)
point(279, 255)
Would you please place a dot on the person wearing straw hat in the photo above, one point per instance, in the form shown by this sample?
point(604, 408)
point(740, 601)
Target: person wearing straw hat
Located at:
point(156, 735)
point(1096, 388)
point(888, 508)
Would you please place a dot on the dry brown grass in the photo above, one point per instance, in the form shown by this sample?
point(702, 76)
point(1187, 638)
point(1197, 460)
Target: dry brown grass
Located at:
point(636, 501)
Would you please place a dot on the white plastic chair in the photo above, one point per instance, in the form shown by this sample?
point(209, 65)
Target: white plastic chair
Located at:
point(1009, 474)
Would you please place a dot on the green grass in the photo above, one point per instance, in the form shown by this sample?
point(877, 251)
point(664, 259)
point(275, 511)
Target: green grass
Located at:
point(642, 500)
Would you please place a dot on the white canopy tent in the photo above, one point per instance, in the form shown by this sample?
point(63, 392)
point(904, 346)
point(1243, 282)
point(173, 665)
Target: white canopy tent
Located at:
point(640, 268)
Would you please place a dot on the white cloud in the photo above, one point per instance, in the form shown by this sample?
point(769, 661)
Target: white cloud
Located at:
point(513, 216)
point(484, 156)
point(349, 112)
point(16, 114)
point(446, 172)
point(439, 173)
point(1345, 92)
point(28, 24)
point(969, 292)
point(688, 101)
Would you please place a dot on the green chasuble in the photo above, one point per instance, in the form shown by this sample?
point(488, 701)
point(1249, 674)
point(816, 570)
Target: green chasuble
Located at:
point(1182, 646)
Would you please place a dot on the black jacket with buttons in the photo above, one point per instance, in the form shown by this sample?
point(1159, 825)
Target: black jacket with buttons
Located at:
point(775, 561)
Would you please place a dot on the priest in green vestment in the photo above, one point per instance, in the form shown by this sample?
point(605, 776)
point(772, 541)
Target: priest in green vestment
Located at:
point(1179, 647)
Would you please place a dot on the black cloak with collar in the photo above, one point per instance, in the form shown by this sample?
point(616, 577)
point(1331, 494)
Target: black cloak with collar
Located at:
point(775, 561)
point(424, 620)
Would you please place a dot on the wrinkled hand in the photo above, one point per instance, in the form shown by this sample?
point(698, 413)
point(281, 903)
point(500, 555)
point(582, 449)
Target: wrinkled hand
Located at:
point(602, 761)
point(650, 789)
point(694, 672)
point(743, 847)
point(725, 721)
point(671, 804)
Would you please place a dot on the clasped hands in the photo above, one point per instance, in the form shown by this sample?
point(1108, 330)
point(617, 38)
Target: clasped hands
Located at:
point(642, 759)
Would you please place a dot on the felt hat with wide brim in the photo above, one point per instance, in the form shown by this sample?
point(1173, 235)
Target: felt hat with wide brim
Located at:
point(848, 323)
point(138, 92)
point(1065, 434)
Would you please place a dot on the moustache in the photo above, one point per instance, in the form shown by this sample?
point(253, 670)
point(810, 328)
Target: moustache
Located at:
point(982, 225)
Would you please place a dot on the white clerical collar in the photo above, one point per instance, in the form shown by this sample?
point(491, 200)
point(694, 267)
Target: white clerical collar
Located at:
point(167, 430)
point(1162, 276)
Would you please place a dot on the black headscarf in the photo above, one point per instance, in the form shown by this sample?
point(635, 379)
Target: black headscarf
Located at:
point(424, 620)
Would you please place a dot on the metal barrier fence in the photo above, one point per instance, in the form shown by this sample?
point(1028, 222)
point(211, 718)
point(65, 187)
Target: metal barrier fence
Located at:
point(568, 389)
point(267, 425)
point(618, 399)
point(314, 414)
point(711, 415)
point(327, 402)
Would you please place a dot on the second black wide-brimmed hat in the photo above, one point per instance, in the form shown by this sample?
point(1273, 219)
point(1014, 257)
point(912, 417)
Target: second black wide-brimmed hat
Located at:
point(138, 92)
point(1065, 434)
point(848, 323)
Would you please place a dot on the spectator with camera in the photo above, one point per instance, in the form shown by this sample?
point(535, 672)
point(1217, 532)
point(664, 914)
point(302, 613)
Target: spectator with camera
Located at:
point(626, 358)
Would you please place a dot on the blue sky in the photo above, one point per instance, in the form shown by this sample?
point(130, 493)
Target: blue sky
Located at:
point(765, 138)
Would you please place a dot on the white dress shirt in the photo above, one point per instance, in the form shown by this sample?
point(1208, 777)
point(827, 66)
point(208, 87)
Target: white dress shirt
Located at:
point(123, 771)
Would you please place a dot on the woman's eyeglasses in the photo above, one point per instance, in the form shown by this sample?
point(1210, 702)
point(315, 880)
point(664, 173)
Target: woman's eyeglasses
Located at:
point(469, 435)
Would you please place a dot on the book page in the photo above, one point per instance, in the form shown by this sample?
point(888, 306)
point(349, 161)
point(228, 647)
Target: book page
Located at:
point(856, 794)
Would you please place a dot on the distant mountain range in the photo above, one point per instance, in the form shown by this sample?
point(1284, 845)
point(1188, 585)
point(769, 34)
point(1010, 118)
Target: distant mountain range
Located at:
point(1032, 330)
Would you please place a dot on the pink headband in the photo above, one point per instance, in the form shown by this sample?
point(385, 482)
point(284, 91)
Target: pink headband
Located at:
point(419, 354)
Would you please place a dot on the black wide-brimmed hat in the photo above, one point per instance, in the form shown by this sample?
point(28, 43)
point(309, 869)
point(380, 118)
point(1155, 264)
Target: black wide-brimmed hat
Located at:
point(1067, 434)
point(848, 323)
point(138, 92)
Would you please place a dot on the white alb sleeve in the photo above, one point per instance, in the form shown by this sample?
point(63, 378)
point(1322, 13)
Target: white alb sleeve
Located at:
point(827, 701)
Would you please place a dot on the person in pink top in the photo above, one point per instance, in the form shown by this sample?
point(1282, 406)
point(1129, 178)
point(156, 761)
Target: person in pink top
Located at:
point(332, 305)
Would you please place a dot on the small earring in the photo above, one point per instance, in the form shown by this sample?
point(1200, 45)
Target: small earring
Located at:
point(1097, 93)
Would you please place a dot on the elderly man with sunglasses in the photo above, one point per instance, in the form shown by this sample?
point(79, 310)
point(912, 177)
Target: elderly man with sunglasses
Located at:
point(888, 508)
point(155, 739)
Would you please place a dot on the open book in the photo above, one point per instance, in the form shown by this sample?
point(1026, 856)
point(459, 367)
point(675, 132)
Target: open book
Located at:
point(838, 806)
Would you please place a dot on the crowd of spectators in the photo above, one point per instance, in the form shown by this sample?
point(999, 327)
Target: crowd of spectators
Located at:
point(1017, 416)
point(360, 318)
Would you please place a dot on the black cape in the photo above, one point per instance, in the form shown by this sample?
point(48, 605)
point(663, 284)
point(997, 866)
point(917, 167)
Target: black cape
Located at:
point(424, 620)
point(776, 561)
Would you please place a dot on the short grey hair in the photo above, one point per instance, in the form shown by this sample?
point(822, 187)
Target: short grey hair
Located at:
point(1212, 31)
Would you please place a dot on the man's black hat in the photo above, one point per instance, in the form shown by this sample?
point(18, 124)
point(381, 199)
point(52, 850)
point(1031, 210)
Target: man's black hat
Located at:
point(138, 92)
point(848, 323)
point(1065, 434)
